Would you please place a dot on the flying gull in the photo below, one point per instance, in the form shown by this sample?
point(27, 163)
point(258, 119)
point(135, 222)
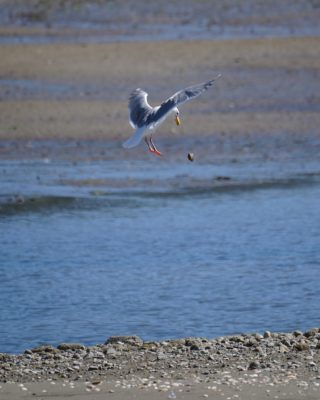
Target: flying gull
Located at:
point(143, 117)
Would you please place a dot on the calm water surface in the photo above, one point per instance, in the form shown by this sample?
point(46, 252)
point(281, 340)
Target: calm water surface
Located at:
point(189, 253)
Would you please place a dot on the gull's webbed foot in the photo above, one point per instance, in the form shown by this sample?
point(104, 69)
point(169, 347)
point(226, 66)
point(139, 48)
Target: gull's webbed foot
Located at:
point(152, 147)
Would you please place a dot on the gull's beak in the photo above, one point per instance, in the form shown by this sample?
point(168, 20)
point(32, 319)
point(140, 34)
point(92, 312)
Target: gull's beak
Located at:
point(178, 122)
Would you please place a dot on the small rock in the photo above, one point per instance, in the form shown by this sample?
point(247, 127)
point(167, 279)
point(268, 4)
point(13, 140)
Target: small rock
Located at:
point(95, 383)
point(44, 349)
point(311, 332)
point(286, 342)
point(111, 352)
point(70, 346)
point(19, 199)
point(132, 340)
point(254, 365)
point(161, 356)
point(312, 364)
point(250, 342)
point(190, 156)
point(301, 346)
point(297, 333)
point(93, 368)
point(259, 350)
point(267, 334)
point(283, 349)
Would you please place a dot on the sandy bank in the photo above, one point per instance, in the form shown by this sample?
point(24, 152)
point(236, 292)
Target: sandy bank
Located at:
point(80, 91)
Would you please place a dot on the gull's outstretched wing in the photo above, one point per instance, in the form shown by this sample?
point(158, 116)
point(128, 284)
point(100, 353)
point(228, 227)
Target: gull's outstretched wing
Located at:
point(139, 108)
point(192, 92)
point(182, 96)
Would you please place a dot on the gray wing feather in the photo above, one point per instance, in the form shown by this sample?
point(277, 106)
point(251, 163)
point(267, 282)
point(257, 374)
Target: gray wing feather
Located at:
point(181, 97)
point(139, 109)
point(192, 92)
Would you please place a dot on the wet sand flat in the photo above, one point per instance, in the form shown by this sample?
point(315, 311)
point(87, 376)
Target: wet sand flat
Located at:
point(113, 390)
point(80, 90)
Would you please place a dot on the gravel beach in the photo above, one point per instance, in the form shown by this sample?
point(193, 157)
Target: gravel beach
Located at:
point(244, 366)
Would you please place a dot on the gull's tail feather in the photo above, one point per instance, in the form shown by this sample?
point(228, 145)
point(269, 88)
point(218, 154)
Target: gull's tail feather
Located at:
point(135, 139)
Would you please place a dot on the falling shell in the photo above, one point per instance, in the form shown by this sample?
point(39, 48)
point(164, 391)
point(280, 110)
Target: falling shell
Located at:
point(190, 156)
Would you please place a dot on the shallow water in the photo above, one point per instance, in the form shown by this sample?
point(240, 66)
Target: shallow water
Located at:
point(158, 32)
point(158, 249)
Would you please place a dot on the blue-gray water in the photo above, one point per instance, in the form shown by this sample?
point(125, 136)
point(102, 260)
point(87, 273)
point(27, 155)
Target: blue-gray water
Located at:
point(188, 249)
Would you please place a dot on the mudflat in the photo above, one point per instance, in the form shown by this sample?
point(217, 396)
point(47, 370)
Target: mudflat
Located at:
point(70, 90)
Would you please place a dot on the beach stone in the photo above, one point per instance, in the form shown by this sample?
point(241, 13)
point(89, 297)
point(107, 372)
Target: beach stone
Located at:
point(131, 340)
point(297, 333)
point(301, 346)
point(161, 356)
point(237, 339)
point(286, 343)
point(283, 348)
point(267, 334)
point(311, 333)
point(44, 349)
point(312, 364)
point(111, 352)
point(70, 346)
point(259, 350)
point(254, 365)
point(93, 368)
point(250, 342)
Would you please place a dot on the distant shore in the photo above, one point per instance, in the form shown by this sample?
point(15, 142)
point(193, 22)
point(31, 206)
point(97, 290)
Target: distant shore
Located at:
point(272, 364)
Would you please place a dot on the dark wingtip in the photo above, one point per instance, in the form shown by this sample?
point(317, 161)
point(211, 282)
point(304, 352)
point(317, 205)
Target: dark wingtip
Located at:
point(210, 83)
point(216, 77)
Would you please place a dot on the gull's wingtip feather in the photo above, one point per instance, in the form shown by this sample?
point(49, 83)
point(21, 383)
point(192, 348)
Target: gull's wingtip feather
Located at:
point(218, 76)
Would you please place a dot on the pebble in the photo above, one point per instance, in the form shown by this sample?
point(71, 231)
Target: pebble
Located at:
point(254, 365)
point(131, 340)
point(190, 156)
point(302, 346)
point(71, 346)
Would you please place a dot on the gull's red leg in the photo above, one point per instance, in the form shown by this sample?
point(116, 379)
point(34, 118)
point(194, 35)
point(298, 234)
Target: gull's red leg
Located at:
point(151, 149)
point(155, 150)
